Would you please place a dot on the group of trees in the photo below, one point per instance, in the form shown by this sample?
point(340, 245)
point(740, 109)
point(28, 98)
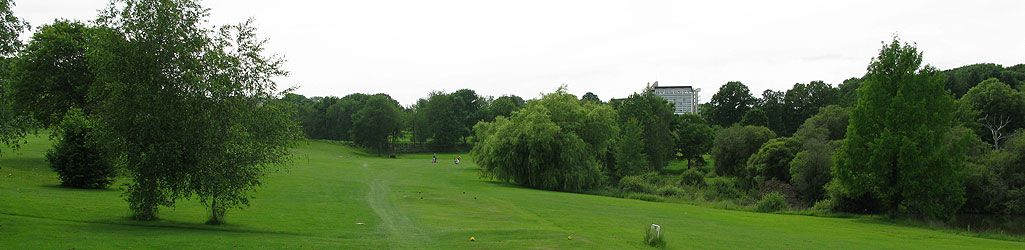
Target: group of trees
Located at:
point(903, 139)
point(782, 112)
point(150, 91)
point(560, 142)
point(445, 120)
point(367, 120)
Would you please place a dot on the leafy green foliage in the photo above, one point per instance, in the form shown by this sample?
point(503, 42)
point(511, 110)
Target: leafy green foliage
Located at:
point(52, 75)
point(553, 143)
point(590, 97)
point(734, 145)
point(722, 188)
point(1003, 179)
point(636, 183)
point(1001, 110)
point(505, 105)
point(896, 150)
point(692, 176)
point(962, 79)
point(804, 100)
point(730, 104)
point(772, 161)
point(830, 124)
point(187, 109)
point(375, 121)
point(755, 117)
point(13, 127)
point(771, 202)
point(443, 123)
point(669, 190)
point(809, 170)
point(848, 92)
point(11, 29)
point(654, 116)
point(629, 151)
point(772, 102)
point(694, 136)
point(77, 157)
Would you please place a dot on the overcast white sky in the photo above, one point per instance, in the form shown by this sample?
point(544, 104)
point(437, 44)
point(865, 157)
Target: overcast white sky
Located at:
point(612, 48)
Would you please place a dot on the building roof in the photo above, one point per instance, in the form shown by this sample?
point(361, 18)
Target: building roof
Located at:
point(673, 87)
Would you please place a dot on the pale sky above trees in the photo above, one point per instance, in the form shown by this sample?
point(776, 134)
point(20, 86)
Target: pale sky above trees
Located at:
point(612, 48)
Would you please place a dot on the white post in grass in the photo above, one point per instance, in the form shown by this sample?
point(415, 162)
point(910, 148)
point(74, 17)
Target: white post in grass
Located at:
point(658, 229)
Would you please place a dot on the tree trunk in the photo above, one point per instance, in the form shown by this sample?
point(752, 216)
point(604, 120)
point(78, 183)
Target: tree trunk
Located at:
point(213, 211)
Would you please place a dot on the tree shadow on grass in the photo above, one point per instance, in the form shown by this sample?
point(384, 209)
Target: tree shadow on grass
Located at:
point(62, 187)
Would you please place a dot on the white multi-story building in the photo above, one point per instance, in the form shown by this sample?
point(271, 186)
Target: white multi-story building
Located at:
point(684, 97)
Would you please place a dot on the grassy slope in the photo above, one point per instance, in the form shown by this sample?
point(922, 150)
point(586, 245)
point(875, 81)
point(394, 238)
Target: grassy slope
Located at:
point(317, 203)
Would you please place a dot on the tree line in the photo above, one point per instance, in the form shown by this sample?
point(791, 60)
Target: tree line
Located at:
point(443, 121)
point(904, 139)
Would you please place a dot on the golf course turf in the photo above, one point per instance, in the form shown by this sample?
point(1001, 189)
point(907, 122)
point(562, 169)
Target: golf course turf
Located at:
point(336, 197)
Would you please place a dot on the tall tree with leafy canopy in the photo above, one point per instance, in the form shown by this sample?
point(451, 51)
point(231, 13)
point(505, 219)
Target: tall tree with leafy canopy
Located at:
point(374, 122)
point(772, 102)
point(896, 151)
point(655, 116)
point(804, 100)
point(51, 75)
point(187, 109)
point(13, 127)
point(505, 105)
point(730, 104)
point(693, 137)
point(444, 124)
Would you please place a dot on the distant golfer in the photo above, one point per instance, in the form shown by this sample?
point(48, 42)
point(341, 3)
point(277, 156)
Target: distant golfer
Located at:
point(457, 159)
point(435, 159)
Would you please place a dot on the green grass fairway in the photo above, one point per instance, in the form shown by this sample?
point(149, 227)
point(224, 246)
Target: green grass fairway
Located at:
point(317, 203)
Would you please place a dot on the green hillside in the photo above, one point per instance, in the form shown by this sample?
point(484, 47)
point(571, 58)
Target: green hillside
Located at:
point(320, 201)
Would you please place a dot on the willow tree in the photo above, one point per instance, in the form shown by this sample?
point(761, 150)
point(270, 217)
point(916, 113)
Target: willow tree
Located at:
point(553, 143)
point(896, 153)
point(187, 109)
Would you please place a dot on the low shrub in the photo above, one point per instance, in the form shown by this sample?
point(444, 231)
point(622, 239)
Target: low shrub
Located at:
point(76, 156)
point(825, 205)
point(645, 197)
point(777, 186)
point(636, 184)
point(670, 190)
point(721, 188)
point(771, 203)
point(692, 176)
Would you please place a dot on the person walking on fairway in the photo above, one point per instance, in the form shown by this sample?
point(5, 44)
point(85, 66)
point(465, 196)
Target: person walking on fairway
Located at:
point(435, 158)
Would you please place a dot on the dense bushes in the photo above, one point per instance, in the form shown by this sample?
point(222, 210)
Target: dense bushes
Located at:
point(692, 176)
point(636, 184)
point(77, 158)
point(734, 145)
point(772, 202)
point(722, 188)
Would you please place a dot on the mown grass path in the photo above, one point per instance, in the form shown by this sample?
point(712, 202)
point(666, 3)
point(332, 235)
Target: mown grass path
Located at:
point(319, 202)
